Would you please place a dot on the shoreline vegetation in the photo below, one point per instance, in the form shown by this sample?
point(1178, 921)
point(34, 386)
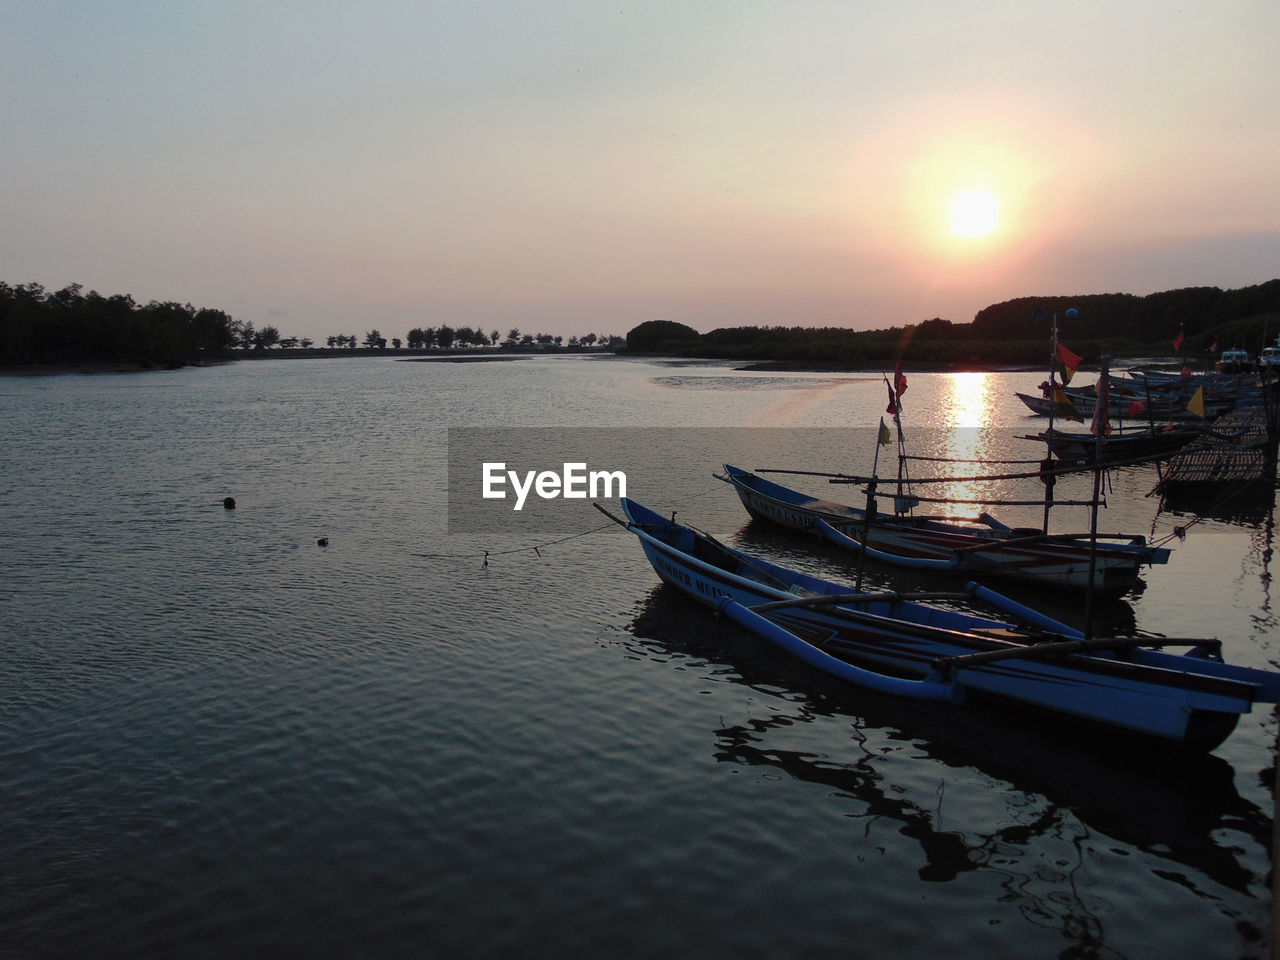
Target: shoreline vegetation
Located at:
point(70, 331)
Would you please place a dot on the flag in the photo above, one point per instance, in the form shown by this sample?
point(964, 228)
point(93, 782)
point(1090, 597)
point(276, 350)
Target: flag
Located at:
point(893, 403)
point(1136, 408)
point(1068, 364)
point(1063, 406)
point(1213, 347)
point(1196, 405)
point(1186, 374)
point(1177, 341)
point(899, 379)
point(885, 437)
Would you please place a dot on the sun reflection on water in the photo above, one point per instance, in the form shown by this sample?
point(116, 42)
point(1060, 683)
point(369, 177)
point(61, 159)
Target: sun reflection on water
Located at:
point(966, 410)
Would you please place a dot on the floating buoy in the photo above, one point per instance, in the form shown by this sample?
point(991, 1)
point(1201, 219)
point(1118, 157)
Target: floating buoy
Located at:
point(322, 542)
point(229, 503)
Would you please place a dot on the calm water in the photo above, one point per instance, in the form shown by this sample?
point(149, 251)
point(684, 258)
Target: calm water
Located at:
point(218, 738)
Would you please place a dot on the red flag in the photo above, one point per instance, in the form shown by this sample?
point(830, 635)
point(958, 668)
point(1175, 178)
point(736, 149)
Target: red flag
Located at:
point(1068, 364)
point(893, 404)
point(1136, 408)
point(899, 379)
point(1186, 373)
point(1177, 341)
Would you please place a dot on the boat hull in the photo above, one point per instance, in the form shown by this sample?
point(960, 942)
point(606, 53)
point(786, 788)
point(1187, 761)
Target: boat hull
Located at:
point(1139, 445)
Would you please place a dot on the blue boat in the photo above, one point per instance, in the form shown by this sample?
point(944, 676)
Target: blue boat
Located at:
point(982, 549)
point(899, 645)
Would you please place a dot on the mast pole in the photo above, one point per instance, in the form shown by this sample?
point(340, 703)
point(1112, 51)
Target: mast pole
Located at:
point(1048, 478)
point(866, 515)
point(1100, 432)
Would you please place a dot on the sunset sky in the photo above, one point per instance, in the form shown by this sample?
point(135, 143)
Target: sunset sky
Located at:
point(575, 167)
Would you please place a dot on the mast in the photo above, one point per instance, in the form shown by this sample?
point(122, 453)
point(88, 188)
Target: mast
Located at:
point(1047, 478)
point(902, 502)
point(1099, 428)
point(871, 506)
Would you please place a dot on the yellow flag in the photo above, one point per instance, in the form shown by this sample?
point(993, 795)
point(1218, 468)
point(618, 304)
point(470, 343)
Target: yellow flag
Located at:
point(1196, 405)
point(884, 433)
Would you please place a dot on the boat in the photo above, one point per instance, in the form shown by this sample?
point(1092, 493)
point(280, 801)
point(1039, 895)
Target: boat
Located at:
point(1269, 358)
point(987, 548)
point(1119, 446)
point(1084, 403)
point(1234, 360)
point(906, 645)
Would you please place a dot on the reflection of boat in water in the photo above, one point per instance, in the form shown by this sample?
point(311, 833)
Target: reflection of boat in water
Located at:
point(1184, 810)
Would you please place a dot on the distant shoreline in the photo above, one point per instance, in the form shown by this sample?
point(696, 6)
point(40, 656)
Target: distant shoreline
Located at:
point(402, 356)
point(802, 366)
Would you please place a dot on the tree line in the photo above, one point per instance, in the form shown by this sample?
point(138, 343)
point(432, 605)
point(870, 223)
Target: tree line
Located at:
point(1014, 332)
point(73, 327)
point(69, 327)
point(445, 337)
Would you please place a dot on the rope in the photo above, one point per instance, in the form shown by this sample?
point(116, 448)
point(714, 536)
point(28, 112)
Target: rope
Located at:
point(1180, 532)
point(490, 554)
point(486, 555)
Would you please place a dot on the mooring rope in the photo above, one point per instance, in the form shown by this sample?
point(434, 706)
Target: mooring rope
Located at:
point(486, 555)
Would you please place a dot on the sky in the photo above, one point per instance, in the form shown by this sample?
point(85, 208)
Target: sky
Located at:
point(581, 167)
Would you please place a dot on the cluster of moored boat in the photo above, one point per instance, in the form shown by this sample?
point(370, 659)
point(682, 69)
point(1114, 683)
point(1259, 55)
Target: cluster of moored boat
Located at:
point(1151, 414)
point(909, 645)
point(1145, 396)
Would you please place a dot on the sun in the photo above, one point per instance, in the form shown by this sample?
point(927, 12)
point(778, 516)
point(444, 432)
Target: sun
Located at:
point(974, 213)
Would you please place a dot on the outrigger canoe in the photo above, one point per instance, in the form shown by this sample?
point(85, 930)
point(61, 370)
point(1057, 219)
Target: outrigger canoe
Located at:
point(986, 549)
point(898, 645)
point(1119, 446)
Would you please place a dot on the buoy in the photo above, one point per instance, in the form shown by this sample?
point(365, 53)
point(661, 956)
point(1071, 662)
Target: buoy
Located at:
point(322, 542)
point(229, 503)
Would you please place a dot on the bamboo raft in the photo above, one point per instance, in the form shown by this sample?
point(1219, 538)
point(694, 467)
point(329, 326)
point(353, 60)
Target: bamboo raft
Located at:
point(1240, 450)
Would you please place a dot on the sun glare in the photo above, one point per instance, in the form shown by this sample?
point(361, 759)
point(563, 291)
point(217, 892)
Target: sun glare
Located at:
point(973, 213)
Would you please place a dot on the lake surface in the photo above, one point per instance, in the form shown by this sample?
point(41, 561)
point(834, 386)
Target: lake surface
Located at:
point(219, 738)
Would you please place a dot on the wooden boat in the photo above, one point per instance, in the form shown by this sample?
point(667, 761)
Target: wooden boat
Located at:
point(1120, 408)
point(901, 646)
point(1120, 446)
point(982, 550)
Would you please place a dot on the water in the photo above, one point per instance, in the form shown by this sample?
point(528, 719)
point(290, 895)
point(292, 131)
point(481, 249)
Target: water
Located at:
point(219, 738)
